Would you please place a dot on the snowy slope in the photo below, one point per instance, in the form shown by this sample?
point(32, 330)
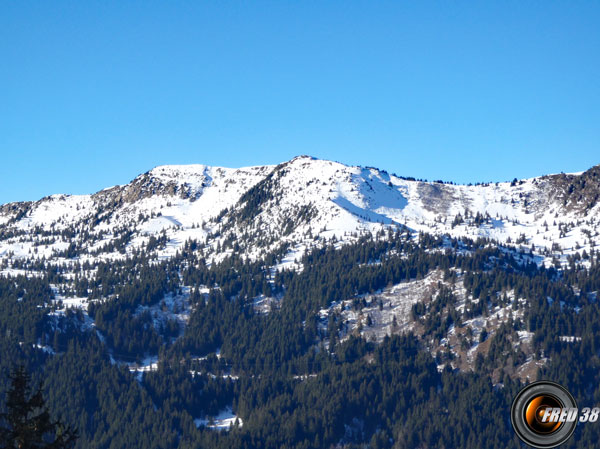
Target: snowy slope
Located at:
point(301, 202)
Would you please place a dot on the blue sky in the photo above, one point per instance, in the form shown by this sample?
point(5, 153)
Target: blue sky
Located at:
point(94, 93)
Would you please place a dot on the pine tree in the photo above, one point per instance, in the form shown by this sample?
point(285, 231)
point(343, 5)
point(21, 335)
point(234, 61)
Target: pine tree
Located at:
point(27, 423)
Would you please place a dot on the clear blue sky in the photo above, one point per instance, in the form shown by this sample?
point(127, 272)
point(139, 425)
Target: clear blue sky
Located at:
point(94, 93)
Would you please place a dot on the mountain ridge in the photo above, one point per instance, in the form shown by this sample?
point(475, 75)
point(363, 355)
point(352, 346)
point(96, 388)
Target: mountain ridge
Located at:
point(595, 170)
point(307, 199)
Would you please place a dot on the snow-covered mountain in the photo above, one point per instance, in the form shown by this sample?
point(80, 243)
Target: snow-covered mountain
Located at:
point(299, 203)
point(275, 214)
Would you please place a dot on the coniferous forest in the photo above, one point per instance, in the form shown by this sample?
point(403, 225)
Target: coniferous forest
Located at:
point(297, 377)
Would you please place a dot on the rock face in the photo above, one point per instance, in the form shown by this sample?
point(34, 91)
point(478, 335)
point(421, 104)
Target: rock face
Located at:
point(576, 192)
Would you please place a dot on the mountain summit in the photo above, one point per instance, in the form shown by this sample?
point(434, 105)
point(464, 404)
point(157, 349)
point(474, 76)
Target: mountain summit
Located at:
point(298, 203)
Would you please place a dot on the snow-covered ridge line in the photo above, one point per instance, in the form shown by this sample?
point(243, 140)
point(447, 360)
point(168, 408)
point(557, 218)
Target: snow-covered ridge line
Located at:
point(300, 202)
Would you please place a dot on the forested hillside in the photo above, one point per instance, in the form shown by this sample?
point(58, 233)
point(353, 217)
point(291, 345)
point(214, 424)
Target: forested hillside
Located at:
point(235, 335)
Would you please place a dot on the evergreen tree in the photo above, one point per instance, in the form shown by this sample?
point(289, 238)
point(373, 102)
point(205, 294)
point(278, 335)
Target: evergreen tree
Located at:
point(27, 423)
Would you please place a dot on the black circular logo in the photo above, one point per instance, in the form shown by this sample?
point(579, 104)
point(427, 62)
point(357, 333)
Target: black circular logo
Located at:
point(544, 415)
